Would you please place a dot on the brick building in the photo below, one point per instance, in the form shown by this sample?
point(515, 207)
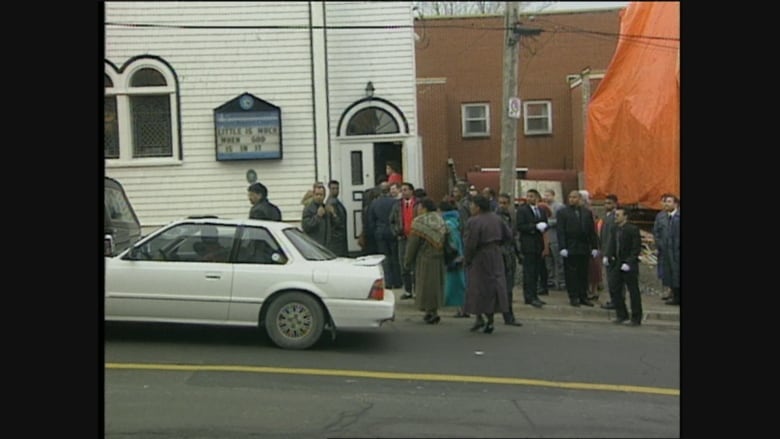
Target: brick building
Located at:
point(459, 62)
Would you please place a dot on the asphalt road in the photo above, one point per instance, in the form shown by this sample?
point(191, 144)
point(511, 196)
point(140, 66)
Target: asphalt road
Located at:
point(406, 379)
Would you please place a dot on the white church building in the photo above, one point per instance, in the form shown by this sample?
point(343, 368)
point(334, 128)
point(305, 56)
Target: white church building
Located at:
point(203, 98)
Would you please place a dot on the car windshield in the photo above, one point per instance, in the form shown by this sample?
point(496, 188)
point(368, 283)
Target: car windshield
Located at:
point(307, 246)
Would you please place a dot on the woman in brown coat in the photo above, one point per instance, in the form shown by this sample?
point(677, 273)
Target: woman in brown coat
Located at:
point(424, 250)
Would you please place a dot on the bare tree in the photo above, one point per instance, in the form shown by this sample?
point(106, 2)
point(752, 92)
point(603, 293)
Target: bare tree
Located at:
point(457, 8)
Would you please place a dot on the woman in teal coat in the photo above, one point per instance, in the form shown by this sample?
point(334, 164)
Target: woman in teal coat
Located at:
point(455, 277)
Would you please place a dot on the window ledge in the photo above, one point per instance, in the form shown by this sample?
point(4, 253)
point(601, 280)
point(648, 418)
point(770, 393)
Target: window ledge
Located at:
point(137, 163)
point(539, 133)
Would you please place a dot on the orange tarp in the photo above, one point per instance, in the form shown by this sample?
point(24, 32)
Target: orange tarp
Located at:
point(632, 136)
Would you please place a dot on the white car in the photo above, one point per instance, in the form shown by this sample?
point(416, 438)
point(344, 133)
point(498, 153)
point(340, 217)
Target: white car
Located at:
point(246, 273)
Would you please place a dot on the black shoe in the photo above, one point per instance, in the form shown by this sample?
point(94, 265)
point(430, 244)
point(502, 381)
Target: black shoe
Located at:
point(477, 325)
point(433, 320)
point(593, 297)
point(427, 317)
point(620, 321)
point(586, 302)
point(575, 303)
point(537, 304)
point(632, 323)
point(608, 305)
point(407, 296)
point(542, 301)
point(488, 328)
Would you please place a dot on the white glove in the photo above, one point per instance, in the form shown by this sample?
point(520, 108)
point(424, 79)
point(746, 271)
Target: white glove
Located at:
point(564, 253)
point(541, 227)
point(605, 260)
point(594, 253)
point(624, 267)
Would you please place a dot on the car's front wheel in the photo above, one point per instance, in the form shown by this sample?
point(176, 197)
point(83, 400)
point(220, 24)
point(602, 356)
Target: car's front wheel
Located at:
point(295, 321)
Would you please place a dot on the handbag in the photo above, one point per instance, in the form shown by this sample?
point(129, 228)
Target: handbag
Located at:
point(451, 258)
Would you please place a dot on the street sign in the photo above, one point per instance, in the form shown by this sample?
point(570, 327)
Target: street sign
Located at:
point(514, 108)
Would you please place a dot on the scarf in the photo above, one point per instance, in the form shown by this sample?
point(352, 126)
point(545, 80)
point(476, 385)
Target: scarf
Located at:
point(430, 227)
point(451, 220)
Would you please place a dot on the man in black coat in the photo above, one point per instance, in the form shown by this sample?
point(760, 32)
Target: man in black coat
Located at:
point(315, 219)
point(261, 207)
point(621, 257)
point(577, 240)
point(337, 241)
point(531, 223)
point(378, 227)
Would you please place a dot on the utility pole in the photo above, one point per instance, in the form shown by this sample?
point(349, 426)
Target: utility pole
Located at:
point(509, 121)
point(511, 105)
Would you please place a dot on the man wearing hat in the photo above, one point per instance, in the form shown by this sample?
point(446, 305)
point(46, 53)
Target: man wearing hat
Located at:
point(261, 207)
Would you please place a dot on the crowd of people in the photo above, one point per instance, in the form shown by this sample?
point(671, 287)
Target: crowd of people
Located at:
point(561, 246)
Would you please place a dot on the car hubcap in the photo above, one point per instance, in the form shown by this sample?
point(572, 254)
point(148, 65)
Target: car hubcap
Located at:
point(294, 320)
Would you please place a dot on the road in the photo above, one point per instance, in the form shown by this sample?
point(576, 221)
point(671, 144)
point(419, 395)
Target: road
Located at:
point(407, 379)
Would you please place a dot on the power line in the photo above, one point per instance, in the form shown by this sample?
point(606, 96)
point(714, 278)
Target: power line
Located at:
point(386, 27)
point(239, 27)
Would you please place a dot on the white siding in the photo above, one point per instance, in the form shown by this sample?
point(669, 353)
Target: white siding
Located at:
point(214, 66)
point(356, 56)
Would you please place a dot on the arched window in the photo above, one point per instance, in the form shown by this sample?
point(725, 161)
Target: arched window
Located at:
point(111, 130)
point(372, 120)
point(141, 113)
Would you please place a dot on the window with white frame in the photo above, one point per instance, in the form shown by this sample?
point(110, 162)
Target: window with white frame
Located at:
point(537, 117)
point(476, 120)
point(141, 114)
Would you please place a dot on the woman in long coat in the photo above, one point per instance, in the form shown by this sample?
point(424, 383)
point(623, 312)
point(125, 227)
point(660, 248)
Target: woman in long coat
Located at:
point(425, 250)
point(485, 279)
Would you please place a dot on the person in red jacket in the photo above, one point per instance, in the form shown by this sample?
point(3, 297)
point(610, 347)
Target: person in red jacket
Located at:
point(393, 171)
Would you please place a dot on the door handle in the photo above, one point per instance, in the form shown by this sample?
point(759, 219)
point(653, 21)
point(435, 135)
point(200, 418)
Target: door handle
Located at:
point(213, 276)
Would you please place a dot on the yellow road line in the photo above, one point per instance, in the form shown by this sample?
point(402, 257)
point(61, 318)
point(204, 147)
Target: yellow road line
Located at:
point(398, 376)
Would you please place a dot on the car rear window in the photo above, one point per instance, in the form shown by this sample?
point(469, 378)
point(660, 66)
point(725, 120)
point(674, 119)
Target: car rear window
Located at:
point(307, 246)
point(117, 206)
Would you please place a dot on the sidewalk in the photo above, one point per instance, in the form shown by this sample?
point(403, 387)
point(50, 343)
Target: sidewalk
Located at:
point(655, 311)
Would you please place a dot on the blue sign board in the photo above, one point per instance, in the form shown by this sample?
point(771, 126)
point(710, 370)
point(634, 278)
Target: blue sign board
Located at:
point(248, 128)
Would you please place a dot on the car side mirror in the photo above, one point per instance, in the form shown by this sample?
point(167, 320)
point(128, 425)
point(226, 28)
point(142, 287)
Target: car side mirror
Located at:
point(108, 245)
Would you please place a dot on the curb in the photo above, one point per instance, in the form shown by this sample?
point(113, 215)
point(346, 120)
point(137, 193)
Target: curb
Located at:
point(554, 310)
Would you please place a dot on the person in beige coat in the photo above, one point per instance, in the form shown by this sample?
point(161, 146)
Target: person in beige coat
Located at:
point(425, 256)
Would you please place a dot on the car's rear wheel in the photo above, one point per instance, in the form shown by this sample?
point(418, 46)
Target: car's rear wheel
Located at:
point(295, 321)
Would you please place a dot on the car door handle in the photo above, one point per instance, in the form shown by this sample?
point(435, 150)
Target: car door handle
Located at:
point(213, 276)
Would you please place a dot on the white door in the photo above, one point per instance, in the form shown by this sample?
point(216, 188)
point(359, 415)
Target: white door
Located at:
point(357, 175)
point(168, 290)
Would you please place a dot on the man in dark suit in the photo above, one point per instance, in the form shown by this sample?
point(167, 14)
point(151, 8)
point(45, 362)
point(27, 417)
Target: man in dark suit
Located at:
point(621, 257)
point(577, 240)
point(531, 223)
point(666, 231)
point(401, 217)
point(610, 203)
